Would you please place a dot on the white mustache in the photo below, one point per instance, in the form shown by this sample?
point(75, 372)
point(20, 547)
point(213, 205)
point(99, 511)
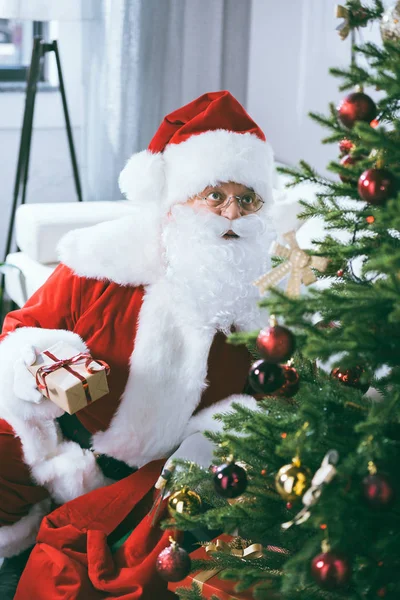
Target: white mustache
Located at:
point(213, 225)
point(244, 227)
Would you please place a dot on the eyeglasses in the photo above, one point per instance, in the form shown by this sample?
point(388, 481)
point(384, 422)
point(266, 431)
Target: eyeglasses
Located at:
point(248, 203)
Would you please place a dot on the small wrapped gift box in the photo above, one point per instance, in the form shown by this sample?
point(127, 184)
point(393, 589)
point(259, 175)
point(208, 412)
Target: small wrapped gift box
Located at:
point(70, 380)
point(209, 582)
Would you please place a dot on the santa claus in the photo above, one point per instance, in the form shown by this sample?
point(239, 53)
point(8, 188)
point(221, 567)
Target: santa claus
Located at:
point(153, 294)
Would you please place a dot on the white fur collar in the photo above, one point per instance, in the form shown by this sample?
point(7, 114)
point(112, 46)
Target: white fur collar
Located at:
point(125, 250)
point(168, 367)
point(168, 371)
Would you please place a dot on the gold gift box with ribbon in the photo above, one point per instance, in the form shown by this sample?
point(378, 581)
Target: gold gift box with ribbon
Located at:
point(208, 580)
point(70, 380)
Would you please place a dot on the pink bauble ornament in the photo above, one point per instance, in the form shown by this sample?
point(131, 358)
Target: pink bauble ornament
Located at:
point(331, 570)
point(173, 563)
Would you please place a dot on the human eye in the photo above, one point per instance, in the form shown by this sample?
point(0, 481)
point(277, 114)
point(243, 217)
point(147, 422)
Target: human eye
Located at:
point(248, 199)
point(214, 196)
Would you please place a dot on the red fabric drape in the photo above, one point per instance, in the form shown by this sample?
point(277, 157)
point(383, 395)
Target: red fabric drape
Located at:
point(72, 559)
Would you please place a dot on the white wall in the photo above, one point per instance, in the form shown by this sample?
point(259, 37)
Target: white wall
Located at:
point(293, 44)
point(50, 167)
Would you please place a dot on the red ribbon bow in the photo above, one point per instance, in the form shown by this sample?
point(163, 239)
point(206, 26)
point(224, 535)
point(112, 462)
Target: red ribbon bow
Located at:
point(65, 363)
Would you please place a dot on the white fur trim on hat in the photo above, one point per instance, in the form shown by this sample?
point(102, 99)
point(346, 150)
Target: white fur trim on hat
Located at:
point(142, 179)
point(217, 156)
point(185, 169)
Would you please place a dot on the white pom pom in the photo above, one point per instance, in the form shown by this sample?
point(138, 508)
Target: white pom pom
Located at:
point(142, 180)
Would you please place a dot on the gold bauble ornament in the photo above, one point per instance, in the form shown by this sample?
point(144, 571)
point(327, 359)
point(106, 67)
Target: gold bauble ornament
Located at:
point(292, 480)
point(390, 24)
point(184, 502)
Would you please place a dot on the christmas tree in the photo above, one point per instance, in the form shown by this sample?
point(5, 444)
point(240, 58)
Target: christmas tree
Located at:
point(314, 471)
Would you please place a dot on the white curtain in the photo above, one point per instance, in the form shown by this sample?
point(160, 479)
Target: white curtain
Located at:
point(292, 46)
point(145, 58)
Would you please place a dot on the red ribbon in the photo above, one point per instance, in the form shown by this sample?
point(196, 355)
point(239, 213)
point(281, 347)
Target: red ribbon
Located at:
point(45, 370)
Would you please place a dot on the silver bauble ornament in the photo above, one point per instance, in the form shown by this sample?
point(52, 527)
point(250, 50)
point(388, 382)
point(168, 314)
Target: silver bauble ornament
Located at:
point(390, 24)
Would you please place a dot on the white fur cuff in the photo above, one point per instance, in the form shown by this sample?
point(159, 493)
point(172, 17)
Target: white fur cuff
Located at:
point(71, 473)
point(19, 536)
point(204, 420)
point(10, 351)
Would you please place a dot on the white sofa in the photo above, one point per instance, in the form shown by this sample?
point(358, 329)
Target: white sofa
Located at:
point(39, 227)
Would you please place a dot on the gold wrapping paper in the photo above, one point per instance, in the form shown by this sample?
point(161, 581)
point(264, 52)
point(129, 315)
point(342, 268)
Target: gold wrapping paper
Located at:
point(70, 380)
point(251, 551)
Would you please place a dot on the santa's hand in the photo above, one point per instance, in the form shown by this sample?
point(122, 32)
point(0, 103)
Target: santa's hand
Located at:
point(24, 382)
point(195, 448)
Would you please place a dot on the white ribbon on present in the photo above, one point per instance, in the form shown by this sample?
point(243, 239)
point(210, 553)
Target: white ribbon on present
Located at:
point(322, 477)
point(298, 265)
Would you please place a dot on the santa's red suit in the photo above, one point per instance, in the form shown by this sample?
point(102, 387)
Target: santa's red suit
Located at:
point(170, 370)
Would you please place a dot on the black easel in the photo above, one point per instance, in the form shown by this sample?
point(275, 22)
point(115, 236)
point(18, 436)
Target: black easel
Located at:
point(40, 48)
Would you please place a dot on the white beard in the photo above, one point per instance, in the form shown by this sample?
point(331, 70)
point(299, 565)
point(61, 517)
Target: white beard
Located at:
point(212, 277)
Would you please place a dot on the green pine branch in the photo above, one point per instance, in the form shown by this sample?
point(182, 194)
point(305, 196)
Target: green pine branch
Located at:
point(352, 322)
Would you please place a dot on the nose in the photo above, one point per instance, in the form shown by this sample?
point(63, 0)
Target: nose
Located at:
point(232, 211)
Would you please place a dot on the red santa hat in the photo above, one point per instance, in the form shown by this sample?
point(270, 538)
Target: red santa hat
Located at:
point(210, 140)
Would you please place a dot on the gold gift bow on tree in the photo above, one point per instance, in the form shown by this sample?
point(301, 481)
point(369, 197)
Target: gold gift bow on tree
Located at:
point(344, 28)
point(298, 264)
point(236, 548)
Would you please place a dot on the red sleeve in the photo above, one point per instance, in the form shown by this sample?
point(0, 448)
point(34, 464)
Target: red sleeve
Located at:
point(18, 492)
point(56, 305)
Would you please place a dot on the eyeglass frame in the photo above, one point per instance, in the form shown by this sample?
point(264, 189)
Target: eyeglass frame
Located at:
point(228, 200)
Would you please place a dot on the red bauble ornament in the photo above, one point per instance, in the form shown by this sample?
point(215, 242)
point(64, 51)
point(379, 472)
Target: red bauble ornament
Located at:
point(377, 491)
point(347, 161)
point(340, 273)
point(346, 146)
point(356, 107)
point(265, 377)
point(173, 563)
point(292, 383)
point(376, 186)
point(230, 480)
point(350, 377)
point(276, 344)
point(331, 570)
